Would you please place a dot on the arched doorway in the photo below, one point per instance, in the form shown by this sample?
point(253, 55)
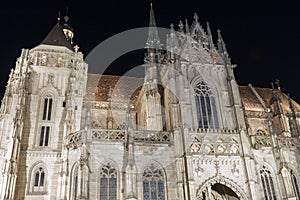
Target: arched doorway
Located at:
point(219, 192)
point(220, 188)
point(223, 192)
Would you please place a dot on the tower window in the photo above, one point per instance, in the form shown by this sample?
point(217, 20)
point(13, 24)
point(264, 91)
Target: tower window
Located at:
point(206, 106)
point(44, 137)
point(153, 184)
point(39, 180)
point(267, 184)
point(47, 111)
point(108, 183)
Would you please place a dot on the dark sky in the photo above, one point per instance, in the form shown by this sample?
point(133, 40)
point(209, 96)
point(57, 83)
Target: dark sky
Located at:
point(262, 37)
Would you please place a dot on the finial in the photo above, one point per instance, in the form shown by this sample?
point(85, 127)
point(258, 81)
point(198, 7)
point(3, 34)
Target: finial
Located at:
point(180, 25)
point(277, 83)
point(196, 17)
point(66, 16)
point(151, 5)
point(219, 33)
point(187, 29)
point(58, 17)
point(272, 85)
point(172, 26)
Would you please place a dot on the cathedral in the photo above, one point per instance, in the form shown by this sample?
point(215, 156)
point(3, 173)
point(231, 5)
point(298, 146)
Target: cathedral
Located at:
point(185, 131)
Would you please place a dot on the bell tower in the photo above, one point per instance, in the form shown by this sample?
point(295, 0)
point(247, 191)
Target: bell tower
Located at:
point(43, 104)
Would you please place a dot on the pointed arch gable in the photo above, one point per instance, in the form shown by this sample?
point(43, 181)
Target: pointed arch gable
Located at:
point(224, 181)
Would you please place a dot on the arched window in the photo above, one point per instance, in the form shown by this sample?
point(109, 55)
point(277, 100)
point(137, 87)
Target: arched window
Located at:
point(295, 185)
point(108, 182)
point(44, 136)
point(39, 180)
point(153, 184)
point(47, 110)
point(267, 184)
point(206, 106)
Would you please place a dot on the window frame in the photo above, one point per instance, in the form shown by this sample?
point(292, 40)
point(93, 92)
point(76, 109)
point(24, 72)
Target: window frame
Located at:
point(116, 177)
point(159, 181)
point(205, 93)
point(38, 189)
point(268, 183)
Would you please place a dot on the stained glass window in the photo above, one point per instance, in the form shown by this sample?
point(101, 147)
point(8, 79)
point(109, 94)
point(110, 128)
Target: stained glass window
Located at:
point(206, 106)
point(108, 182)
point(153, 184)
point(267, 183)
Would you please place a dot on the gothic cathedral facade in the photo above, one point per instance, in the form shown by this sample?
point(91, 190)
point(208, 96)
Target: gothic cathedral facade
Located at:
point(186, 131)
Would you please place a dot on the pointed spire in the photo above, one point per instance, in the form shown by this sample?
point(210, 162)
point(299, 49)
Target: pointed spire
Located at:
point(222, 48)
point(153, 40)
point(56, 37)
point(180, 25)
point(278, 85)
point(187, 28)
point(58, 17)
point(209, 35)
point(67, 29)
point(196, 18)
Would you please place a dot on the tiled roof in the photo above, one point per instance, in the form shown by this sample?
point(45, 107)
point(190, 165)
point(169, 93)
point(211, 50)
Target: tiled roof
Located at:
point(102, 87)
point(118, 88)
point(251, 102)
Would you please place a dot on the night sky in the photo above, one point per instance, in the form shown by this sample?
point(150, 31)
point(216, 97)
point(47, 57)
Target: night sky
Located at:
point(262, 37)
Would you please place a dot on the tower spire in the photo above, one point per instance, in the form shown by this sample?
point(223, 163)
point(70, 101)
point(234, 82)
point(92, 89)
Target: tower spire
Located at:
point(58, 17)
point(153, 40)
point(68, 31)
point(222, 48)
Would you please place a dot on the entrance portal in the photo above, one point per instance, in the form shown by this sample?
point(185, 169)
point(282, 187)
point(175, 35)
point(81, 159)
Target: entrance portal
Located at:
point(220, 192)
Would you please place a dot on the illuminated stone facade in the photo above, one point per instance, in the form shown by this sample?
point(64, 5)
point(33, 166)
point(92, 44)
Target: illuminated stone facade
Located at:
point(187, 131)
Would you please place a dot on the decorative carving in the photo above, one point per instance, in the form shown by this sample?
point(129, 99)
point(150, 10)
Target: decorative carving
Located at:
point(261, 141)
point(213, 143)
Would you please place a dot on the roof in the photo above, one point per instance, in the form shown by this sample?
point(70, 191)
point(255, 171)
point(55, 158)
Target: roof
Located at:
point(251, 102)
point(102, 87)
point(56, 37)
point(117, 88)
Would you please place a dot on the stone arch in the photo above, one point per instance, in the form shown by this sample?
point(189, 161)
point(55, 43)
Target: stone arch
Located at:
point(224, 181)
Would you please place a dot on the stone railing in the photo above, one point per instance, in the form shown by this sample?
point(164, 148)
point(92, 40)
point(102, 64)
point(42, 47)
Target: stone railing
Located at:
point(108, 134)
point(74, 140)
point(287, 142)
point(259, 141)
point(151, 136)
point(205, 130)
